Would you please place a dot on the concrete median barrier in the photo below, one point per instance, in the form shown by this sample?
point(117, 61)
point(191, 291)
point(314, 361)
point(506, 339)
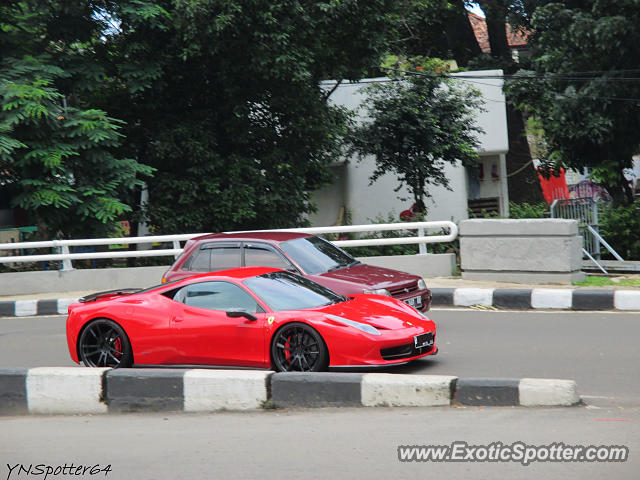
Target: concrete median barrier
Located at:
point(387, 390)
point(142, 389)
point(53, 390)
point(511, 298)
point(208, 390)
point(541, 392)
point(627, 300)
point(65, 390)
point(316, 389)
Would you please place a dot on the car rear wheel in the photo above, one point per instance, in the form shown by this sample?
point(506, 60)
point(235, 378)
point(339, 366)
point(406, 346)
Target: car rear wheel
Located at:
point(104, 343)
point(297, 347)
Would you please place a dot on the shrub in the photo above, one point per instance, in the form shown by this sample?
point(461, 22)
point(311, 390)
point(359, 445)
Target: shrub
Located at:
point(620, 227)
point(528, 210)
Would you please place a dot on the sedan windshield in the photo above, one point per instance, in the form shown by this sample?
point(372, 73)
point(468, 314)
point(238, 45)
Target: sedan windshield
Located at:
point(286, 291)
point(316, 255)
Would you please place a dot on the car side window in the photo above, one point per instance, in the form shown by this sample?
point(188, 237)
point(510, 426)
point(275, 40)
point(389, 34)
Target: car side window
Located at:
point(256, 255)
point(220, 296)
point(210, 258)
point(225, 257)
point(201, 261)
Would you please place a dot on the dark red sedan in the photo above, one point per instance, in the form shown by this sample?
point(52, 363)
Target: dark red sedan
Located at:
point(307, 255)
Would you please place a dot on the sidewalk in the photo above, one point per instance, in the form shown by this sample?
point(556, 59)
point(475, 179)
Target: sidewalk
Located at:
point(447, 292)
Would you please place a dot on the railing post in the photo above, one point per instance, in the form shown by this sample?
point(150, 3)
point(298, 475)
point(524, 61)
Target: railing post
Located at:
point(176, 245)
point(422, 247)
point(596, 228)
point(66, 263)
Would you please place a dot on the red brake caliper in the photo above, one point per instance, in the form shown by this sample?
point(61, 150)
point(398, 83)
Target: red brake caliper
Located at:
point(118, 345)
point(287, 349)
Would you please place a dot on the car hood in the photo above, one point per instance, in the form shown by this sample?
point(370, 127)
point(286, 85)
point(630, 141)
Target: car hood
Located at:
point(371, 276)
point(380, 311)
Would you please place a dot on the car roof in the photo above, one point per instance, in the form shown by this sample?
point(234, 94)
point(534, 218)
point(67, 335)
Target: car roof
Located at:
point(265, 235)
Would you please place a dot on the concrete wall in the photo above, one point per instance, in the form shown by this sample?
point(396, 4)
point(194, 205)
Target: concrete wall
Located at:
point(521, 251)
point(26, 283)
point(427, 265)
point(366, 201)
point(331, 199)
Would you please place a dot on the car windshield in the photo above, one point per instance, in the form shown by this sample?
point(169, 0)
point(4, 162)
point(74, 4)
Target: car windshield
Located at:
point(316, 255)
point(286, 291)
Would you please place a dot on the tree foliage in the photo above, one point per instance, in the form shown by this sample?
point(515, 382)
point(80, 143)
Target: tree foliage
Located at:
point(224, 98)
point(620, 225)
point(436, 29)
point(582, 87)
point(418, 125)
point(232, 112)
point(58, 154)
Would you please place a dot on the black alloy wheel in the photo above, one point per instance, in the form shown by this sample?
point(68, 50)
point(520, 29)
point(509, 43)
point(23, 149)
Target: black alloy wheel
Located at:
point(103, 343)
point(297, 347)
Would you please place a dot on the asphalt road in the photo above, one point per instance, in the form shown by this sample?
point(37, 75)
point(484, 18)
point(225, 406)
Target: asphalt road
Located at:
point(598, 350)
point(314, 444)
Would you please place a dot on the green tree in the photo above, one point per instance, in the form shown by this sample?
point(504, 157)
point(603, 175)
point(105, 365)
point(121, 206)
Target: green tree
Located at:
point(58, 154)
point(232, 112)
point(583, 89)
point(443, 29)
point(418, 125)
point(436, 28)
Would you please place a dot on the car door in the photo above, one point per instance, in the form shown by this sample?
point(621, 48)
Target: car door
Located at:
point(206, 335)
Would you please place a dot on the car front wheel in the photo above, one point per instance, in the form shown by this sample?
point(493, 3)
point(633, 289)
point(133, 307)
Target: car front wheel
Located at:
point(296, 347)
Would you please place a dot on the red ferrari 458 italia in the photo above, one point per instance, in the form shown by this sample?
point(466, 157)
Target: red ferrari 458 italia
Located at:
point(251, 317)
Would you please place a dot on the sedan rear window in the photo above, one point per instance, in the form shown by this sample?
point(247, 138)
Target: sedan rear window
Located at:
point(286, 291)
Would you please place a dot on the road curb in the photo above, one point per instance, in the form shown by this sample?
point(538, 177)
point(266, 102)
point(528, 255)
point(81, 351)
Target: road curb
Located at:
point(72, 390)
point(511, 299)
point(538, 298)
point(28, 308)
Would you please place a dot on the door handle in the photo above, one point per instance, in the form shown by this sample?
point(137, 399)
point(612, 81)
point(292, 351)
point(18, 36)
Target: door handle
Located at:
point(178, 319)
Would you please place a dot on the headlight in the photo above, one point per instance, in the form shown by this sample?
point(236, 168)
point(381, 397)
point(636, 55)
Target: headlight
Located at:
point(360, 326)
point(422, 285)
point(379, 291)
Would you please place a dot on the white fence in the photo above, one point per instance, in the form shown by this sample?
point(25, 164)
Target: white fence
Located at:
point(64, 253)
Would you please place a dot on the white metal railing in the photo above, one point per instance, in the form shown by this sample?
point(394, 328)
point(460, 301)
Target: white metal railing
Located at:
point(67, 257)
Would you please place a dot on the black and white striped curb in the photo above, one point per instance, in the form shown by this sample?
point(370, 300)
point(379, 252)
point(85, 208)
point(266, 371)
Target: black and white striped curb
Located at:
point(28, 308)
point(69, 390)
point(537, 298)
point(512, 298)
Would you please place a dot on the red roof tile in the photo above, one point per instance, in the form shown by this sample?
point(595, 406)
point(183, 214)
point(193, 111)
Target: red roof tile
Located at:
point(516, 38)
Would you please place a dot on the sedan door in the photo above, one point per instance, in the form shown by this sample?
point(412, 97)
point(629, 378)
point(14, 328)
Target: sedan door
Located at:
point(206, 335)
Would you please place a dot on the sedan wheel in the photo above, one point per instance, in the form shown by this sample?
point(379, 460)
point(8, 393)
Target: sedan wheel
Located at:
point(297, 347)
point(103, 343)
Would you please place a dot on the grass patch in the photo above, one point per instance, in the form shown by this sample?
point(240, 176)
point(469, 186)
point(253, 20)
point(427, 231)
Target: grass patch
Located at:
point(604, 281)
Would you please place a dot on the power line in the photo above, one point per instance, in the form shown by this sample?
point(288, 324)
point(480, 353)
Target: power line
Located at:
point(569, 76)
point(472, 79)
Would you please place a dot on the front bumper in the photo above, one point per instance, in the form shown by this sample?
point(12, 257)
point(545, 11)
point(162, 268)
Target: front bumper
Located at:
point(389, 363)
point(425, 298)
point(397, 348)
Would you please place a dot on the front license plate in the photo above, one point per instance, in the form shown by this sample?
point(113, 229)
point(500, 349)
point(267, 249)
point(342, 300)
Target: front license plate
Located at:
point(415, 302)
point(424, 340)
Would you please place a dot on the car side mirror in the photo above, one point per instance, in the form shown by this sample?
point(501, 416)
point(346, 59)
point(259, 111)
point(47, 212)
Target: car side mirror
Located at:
point(239, 312)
